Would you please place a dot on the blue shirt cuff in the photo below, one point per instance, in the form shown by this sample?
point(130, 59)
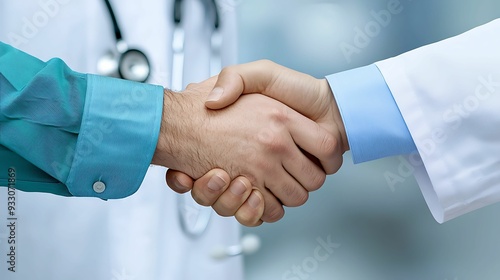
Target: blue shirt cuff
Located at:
point(118, 137)
point(374, 125)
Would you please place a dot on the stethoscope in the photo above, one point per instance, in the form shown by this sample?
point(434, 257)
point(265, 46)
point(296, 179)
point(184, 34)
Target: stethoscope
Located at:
point(123, 62)
point(194, 219)
point(133, 64)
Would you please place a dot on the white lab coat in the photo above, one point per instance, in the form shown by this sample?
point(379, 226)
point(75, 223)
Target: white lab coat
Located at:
point(134, 238)
point(449, 96)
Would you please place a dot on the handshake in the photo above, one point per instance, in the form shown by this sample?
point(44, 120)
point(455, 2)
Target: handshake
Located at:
point(276, 142)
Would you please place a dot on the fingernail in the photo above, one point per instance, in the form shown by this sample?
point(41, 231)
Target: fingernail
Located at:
point(254, 200)
point(216, 183)
point(238, 188)
point(216, 94)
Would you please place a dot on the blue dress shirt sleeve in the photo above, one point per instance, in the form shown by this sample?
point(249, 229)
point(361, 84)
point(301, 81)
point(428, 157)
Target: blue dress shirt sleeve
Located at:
point(374, 125)
point(69, 133)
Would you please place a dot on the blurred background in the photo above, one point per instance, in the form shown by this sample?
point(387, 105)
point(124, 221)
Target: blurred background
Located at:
point(358, 226)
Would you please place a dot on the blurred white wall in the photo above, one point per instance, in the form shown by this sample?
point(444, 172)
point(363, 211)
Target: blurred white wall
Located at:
point(375, 231)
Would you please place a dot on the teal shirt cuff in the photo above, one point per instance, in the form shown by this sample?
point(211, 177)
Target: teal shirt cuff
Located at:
point(374, 125)
point(118, 137)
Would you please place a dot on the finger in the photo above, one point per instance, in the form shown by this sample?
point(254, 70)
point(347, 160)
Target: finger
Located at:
point(233, 198)
point(250, 213)
point(207, 189)
point(178, 181)
point(273, 208)
point(239, 79)
point(290, 192)
point(226, 91)
point(297, 160)
point(309, 175)
point(268, 78)
point(315, 140)
point(281, 183)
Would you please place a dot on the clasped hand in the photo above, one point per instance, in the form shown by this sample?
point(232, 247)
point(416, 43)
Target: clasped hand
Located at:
point(254, 157)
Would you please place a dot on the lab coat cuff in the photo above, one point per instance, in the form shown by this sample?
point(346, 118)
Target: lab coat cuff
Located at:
point(118, 137)
point(374, 125)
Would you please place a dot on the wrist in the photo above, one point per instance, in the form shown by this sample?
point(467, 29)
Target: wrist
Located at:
point(163, 153)
point(334, 112)
point(181, 144)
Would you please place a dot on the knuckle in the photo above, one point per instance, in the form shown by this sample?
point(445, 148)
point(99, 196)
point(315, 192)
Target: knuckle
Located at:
point(265, 164)
point(227, 70)
point(276, 145)
point(316, 176)
point(294, 195)
point(317, 181)
point(280, 115)
point(266, 62)
point(329, 146)
point(272, 141)
point(321, 178)
point(230, 73)
point(337, 164)
point(299, 199)
point(273, 213)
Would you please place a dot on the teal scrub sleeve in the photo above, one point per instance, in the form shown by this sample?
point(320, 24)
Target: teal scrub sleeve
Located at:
point(374, 125)
point(74, 134)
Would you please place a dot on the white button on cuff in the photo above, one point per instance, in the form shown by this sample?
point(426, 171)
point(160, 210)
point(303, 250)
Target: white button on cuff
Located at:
point(99, 187)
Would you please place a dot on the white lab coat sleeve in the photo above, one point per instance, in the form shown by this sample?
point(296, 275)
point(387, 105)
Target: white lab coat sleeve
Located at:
point(449, 96)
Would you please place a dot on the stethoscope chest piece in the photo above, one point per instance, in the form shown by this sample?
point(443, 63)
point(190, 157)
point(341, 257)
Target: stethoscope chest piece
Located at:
point(131, 64)
point(134, 65)
point(122, 62)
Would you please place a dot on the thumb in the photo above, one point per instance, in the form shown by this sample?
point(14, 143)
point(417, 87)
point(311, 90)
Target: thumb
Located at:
point(299, 91)
point(226, 91)
point(233, 81)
